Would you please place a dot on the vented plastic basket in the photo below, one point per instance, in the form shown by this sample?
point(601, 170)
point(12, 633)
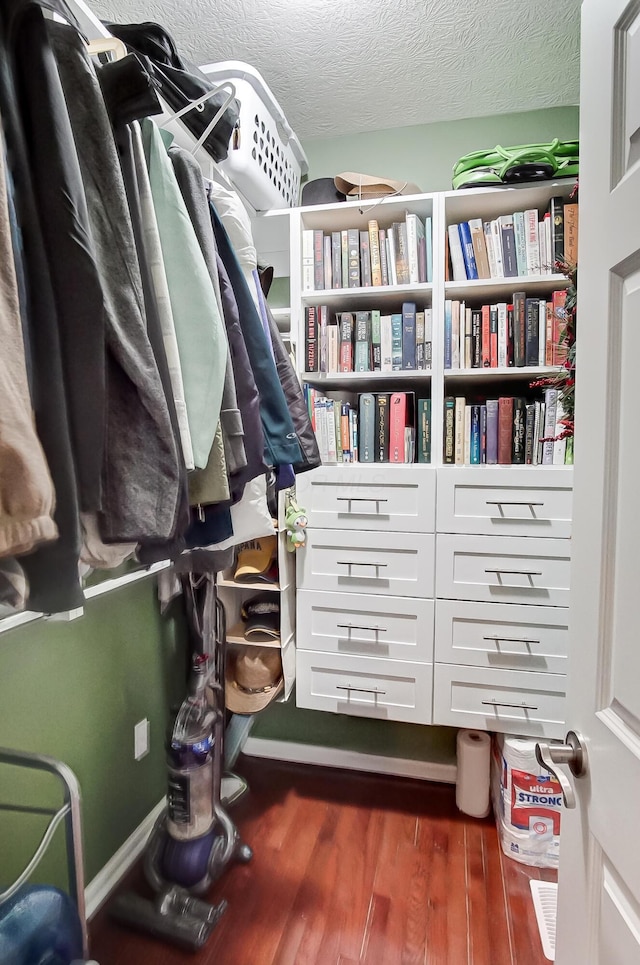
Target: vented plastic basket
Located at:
point(266, 162)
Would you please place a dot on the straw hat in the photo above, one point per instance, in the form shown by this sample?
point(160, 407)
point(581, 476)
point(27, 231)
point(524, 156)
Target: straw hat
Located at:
point(372, 186)
point(253, 680)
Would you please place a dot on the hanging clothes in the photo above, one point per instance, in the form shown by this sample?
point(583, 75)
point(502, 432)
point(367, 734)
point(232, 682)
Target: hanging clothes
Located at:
point(141, 470)
point(280, 437)
point(18, 22)
point(199, 328)
point(26, 490)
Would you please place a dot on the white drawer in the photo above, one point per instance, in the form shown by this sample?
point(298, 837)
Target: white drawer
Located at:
point(505, 501)
point(364, 686)
point(502, 635)
point(396, 564)
point(508, 701)
point(382, 498)
point(503, 569)
point(374, 626)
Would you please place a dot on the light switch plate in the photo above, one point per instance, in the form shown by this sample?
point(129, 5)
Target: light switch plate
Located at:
point(141, 739)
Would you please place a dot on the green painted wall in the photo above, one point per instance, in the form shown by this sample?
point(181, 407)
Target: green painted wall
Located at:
point(425, 154)
point(74, 691)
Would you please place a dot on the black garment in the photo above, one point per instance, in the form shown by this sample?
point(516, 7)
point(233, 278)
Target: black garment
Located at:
point(280, 437)
point(64, 223)
point(52, 570)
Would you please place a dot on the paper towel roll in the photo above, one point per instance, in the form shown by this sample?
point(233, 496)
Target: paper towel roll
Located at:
point(472, 782)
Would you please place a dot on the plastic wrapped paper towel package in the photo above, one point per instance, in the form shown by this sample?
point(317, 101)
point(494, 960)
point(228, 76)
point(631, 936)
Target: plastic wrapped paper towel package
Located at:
point(527, 802)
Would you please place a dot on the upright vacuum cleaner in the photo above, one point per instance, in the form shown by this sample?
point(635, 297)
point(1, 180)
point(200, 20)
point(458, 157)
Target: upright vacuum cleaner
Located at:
point(194, 839)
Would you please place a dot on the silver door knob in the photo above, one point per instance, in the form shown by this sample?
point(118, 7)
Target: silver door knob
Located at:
point(574, 753)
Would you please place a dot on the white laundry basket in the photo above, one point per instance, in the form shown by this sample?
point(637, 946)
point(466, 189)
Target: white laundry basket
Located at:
point(266, 161)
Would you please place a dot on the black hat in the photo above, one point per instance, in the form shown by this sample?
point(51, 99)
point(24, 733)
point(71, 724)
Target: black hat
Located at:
point(261, 617)
point(321, 191)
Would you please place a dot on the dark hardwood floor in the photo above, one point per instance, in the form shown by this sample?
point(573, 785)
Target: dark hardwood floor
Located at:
point(354, 868)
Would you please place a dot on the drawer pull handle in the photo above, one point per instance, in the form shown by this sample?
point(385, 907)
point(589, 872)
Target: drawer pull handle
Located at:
point(352, 626)
point(362, 690)
point(498, 639)
point(362, 499)
point(512, 502)
point(528, 573)
point(498, 703)
point(351, 563)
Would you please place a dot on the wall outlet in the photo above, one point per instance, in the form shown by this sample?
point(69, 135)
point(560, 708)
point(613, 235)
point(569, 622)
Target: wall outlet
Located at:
point(141, 739)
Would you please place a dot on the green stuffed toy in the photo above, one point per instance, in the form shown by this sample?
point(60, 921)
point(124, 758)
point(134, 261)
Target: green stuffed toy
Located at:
point(296, 522)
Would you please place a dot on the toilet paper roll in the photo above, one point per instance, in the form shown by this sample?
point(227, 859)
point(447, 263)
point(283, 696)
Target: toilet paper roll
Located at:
point(473, 777)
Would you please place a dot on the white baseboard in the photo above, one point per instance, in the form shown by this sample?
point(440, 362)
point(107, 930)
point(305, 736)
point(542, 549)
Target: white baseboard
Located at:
point(100, 887)
point(352, 760)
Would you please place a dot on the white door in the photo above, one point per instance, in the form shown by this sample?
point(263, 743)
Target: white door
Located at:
point(599, 893)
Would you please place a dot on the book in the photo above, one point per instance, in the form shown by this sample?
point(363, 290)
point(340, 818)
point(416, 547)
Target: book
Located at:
point(376, 354)
point(509, 256)
point(510, 341)
point(455, 252)
point(311, 339)
point(571, 232)
point(447, 333)
point(551, 406)
point(459, 430)
point(545, 257)
point(476, 338)
point(519, 328)
point(502, 334)
point(344, 239)
point(531, 320)
point(532, 243)
point(492, 432)
point(333, 341)
point(362, 362)
point(346, 342)
point(428, 326)
point(530, 422)
point(318, 259)
point(345, 433)
point(448, 454)
point(468, 255)
point(381, 450)
point(519, 428)
point(485, 338)
point(468, 340)
point(399, 231)
point(491, 255)
point(419, 341)
point(323, 321)
point(391, 257)
point(384, 268)
point(353, 241)
point(549, 266)
point(332, 439)
point(401, 415)
point(396, 342)
point(496, 239)
point(556, 213)
point(493, 336)
point(455, 334)
point(336, 260)
point(409, 336)
point(365, 260)
point(479, 247)
point(412, 226)
point(374, 250)
point(548, 355)
point(474, 441)
point(424, 430)
point(353, 432)
point(542, 329)
point(559, 351)
point(466, 444)
point(366, 427)
point(428, 237)
point(328, 268)
point(521, 242)
point(386, 344)
point(483, 434)
point(505, 430)
point(307, 260)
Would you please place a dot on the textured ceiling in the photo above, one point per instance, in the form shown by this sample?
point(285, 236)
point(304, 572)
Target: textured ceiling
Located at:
point(343, 66)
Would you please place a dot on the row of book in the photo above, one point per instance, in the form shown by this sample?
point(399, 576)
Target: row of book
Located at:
point(367, 341)
point(505, 431)
point(513, 245)
point(524, 331)
point(372, 427)
point(401, 254)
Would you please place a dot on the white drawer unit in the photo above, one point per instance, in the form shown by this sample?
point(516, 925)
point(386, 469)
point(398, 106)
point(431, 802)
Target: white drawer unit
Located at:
point(364, 686)
point(375, 626)
point(508, 701)
point(506, 637)
point(393, 564)
point(385, 499)
point(503, 569)
point(505, 501)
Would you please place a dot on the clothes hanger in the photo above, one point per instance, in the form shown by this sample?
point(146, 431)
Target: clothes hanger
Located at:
point(197, 105)
point(106, 45)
